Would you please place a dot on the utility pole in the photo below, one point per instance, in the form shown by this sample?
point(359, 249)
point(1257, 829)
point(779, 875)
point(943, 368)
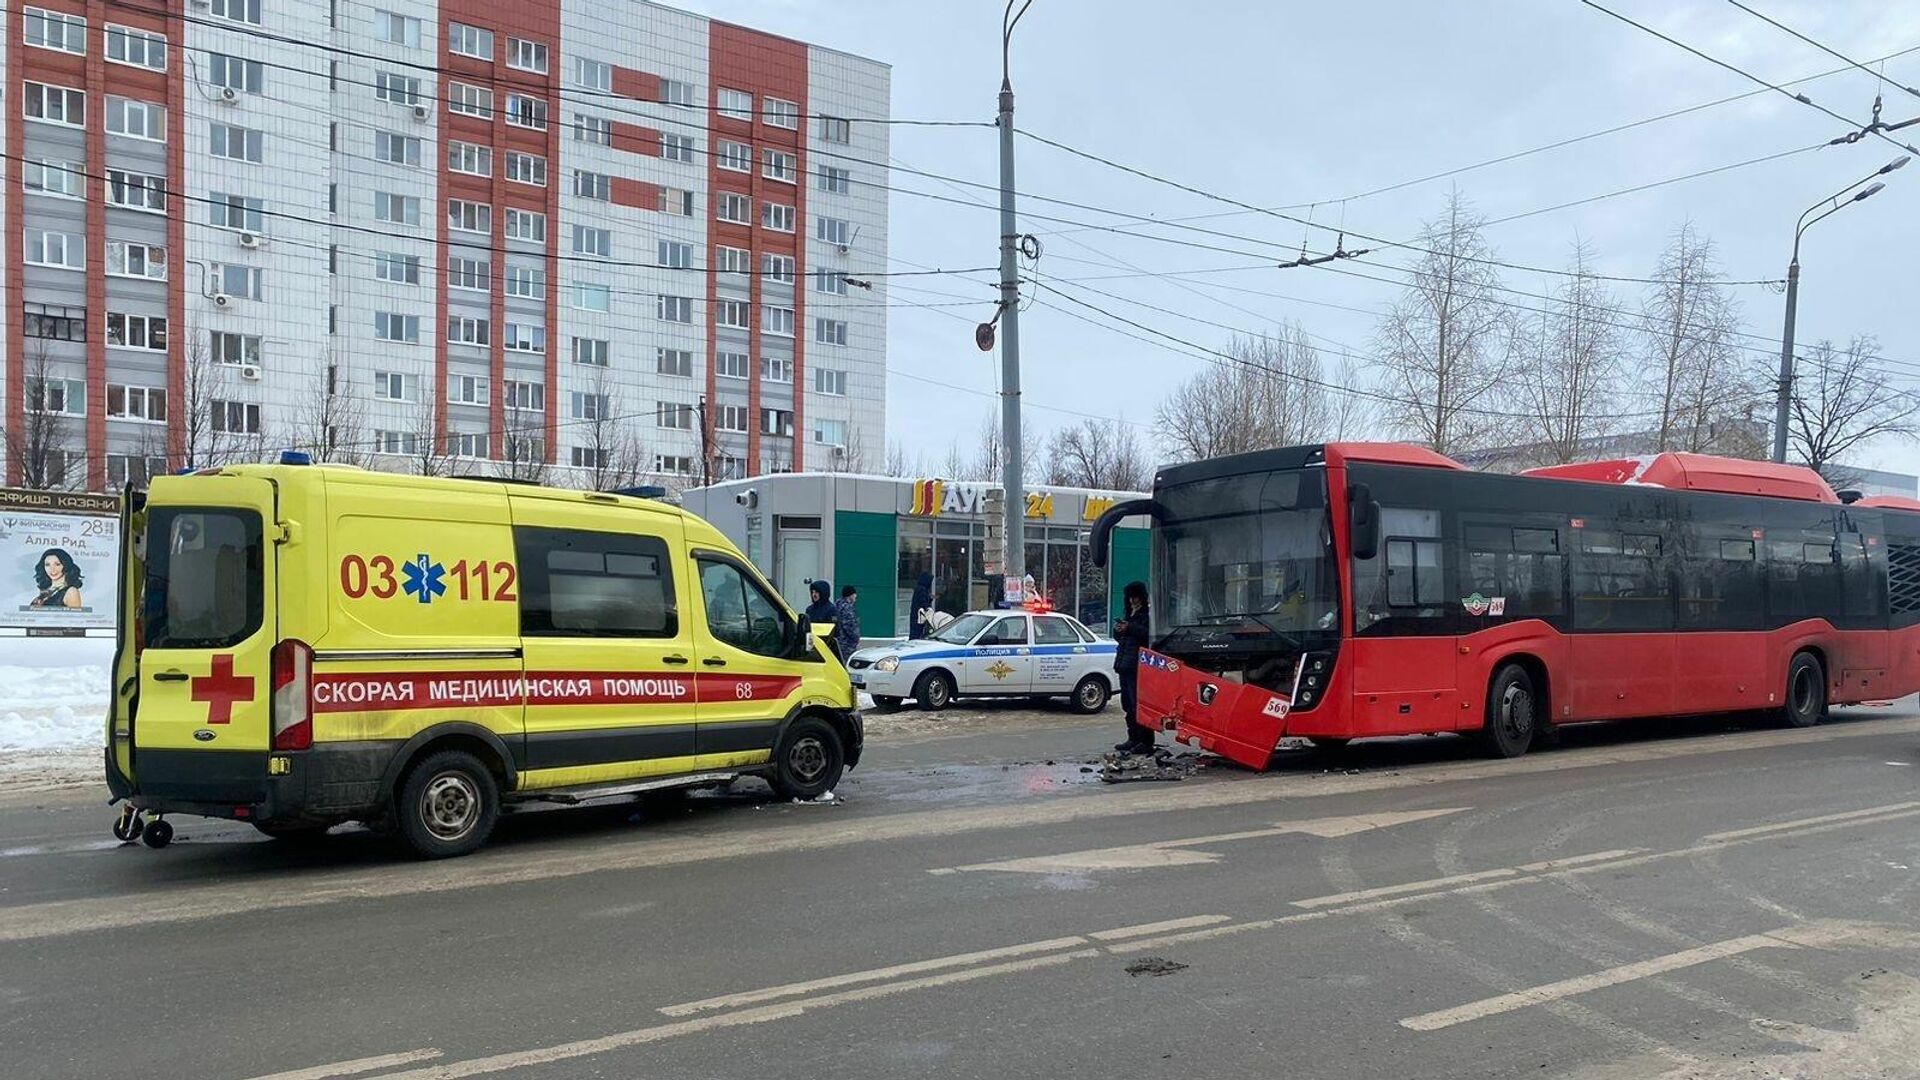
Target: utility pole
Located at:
point(1014, 534)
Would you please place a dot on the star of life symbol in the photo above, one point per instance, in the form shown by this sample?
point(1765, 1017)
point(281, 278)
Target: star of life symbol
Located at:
point(423, 578)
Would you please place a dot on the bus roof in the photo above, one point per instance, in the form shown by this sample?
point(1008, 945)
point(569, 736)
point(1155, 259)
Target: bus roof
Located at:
point(1700, 472)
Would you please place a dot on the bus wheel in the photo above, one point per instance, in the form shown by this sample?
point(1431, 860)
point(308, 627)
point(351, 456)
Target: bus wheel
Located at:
point(1806, 691)
point(934, 691)
point(448, 805)
point(1510, 713)
point(1091, 695)
point(809, 760)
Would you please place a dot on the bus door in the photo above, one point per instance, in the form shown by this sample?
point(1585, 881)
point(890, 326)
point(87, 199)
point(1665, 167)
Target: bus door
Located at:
point(1623, 646)
point(1863, 582)
point(1405, 654)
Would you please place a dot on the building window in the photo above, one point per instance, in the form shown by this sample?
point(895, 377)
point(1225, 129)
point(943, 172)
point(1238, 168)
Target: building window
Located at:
point(597, 130)
point(734, 156)
point(62, 251)
point(403, 269)
point(470, 158)
point(776, 320)
point(394, 386)
point(137, 119)
point(737, 104)
point(234, 350)
point(60, 179)
point(399, 209)
point(733, 260)
point(830, 432)
point(526, 168)
point(675, 92)
point(55, 30)
point(782, 114)
point(731, 365)
point(126, 259)
point(591, 297)
point(677, 362)
point(241, 11)
point(54, 105)
point(592, 74)
point(55, 322)
point(136, 403)
point(527, 111)
point(464, 330)
point(464, 40)
point(465, 215)
point(834, 180)
point(830, 281)
point(243, 144)
point(830, 381)
point(125, 45)
point(674, 464)
point(137, 470)
point(730, 418)
point(675, 255)
point(136, 191)
point(676, 201)
point(833, 129)
point(591, 406)
point(588, 240)
point(526, 396)
point(730, 313)
point(147, 332)
point(592, 185)
point(393, 326)
point(677, 147)
point(244, 76)
point(468, 390)
point(526, 282)
point(470, 274)
point(777, 267)
point(675, 308)
point(470, 100)
point(782, 166)
point(590, 351)
point(395, 148)
point(67, 397)
point(733, 207)
point(673, 415)
point(776, 369)
point(526, 225)
point(776, 422)
point(833, 231)
point(396, 88)
point(777, 217)
point(236, 418)
point(527, 55)
point(396, 29)
point(396, 442)
point(467, 444)
point(525, 337)
point(830, 331)
point(247, 214)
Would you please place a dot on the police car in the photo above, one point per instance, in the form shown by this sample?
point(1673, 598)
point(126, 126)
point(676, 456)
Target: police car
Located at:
point(991, 654)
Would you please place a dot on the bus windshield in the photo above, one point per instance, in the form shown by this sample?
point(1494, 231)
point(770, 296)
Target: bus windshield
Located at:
point(1245, 563)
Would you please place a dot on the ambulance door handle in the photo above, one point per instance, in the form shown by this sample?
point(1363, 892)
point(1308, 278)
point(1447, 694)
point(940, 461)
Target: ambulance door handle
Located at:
point(169, 676)
point(674, 659)
point(713, 661)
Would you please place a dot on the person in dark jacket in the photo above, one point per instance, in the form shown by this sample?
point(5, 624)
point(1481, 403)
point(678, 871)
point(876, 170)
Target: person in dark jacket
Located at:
point(846, 616)
point(820, 610)
point(919, 606)
point(1132, 633)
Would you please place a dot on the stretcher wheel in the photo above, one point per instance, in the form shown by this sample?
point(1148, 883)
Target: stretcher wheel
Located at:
point(158, 834)
point(128, 826)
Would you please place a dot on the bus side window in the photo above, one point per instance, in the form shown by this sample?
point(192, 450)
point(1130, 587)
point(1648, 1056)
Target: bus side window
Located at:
point(1413, 574)
point(1903, 578)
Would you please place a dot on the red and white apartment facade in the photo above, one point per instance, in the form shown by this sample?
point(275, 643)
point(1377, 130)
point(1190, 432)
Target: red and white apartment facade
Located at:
point(554, 230)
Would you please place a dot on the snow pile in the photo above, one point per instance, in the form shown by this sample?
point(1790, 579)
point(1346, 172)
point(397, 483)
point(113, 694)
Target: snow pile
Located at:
point(53, 692)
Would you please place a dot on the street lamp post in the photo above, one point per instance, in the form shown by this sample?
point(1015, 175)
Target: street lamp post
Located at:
point(1784, 394)
point(1013, 533)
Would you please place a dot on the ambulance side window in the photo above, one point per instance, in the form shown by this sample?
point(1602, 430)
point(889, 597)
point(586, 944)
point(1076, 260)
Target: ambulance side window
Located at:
point(576, 583)
point(739, 612)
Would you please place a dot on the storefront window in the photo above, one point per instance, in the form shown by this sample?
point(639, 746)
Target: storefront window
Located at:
point(916, 558)
point(1092, 608)
point(952, 561)
point(1063, 563)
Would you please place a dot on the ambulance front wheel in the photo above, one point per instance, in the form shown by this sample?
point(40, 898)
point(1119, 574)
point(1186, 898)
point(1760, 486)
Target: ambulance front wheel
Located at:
point(448, 805)
point(157, 834)
point(809, 759)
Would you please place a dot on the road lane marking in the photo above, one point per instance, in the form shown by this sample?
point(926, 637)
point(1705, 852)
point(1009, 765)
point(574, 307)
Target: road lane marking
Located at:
point(357, 1067)
point(28, 922)
point(1166, 853)
point(1821, 934)
point(1431, 884)
point(774, 993)
point(1758, 830)
point(1124, 932)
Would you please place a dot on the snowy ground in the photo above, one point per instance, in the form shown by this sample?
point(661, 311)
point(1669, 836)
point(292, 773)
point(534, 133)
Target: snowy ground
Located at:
point(53, 692)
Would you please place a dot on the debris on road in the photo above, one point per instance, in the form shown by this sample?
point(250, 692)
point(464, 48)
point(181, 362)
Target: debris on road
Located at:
point(1162, 766)
point(1154, 965)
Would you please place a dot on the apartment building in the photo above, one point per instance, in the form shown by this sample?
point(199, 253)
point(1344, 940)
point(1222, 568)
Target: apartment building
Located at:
point(574, 239)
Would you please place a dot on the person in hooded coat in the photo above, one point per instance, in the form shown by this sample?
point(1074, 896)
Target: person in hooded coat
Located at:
point(1132, 634)
point(820, 612)
point(917, 608)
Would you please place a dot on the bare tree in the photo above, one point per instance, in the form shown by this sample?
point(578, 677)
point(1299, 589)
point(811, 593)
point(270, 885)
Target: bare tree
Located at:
point(208, 434)
point(1570, 387)
point(1691, 365)
point(1445, 343)
point(987, 460)
point(524, 443)
point(609, 443)
point(38, 446)
point(898, 464)
point(425, 446)
point(1275, 392)
point(329, 422)
point(1098, 454)
point(1839, 402)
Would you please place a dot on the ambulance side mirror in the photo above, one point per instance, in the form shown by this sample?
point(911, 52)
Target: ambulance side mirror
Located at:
point(1363, 521)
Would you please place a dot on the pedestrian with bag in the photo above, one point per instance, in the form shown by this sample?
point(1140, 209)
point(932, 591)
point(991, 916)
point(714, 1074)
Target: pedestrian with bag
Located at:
point(919, 609)
point(1132, 634)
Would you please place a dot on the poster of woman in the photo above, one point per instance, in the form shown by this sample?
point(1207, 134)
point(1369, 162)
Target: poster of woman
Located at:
point(59, 579)
point(59, 561)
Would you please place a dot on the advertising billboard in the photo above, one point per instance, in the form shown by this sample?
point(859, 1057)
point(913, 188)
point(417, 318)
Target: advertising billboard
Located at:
point(59, 561)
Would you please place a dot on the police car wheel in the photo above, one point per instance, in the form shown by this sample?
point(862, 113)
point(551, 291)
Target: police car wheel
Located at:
point(448, 805)
point(1091, 695)
point(934, 691)
point(809, 759)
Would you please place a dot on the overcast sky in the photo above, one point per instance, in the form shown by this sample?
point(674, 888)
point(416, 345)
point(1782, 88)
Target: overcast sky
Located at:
point(1296, 103)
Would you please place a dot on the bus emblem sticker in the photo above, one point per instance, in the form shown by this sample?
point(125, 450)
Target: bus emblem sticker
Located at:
point(1497, 606)
point(1476, 604)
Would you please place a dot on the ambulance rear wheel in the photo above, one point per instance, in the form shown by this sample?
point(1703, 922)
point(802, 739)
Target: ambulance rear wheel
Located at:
point(158, 834)
point(809, 759)
point(448, 805)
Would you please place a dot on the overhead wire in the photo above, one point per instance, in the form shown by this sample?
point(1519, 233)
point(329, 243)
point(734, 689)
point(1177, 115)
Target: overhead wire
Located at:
point(1836, 54)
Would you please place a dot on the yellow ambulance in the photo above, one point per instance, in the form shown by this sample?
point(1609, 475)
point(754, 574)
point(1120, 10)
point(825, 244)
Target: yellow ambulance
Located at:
point(305, 645)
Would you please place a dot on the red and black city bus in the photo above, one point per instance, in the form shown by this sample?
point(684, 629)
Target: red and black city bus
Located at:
point(1351, 590)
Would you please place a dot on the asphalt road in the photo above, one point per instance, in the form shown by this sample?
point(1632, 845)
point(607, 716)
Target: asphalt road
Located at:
point(1698, 900)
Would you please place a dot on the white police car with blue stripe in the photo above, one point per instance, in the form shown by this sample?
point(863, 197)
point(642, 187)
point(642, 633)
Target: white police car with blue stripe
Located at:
point(1011, 653)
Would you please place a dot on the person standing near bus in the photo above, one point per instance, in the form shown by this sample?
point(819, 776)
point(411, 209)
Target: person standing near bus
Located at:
point(1132, 634)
